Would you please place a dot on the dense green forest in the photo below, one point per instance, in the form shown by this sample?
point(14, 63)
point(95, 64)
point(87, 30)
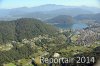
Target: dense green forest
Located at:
point(15, 54)
point(19, 29)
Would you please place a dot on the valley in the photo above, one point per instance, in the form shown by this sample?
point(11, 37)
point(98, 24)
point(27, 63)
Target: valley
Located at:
point(50, 31)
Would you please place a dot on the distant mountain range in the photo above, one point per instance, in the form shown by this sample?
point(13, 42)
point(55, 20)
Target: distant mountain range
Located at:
point(58, 15)
point(45, 12)
point(89, 17)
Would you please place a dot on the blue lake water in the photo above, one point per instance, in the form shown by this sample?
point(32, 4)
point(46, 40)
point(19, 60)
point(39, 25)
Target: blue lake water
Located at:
point(75, 26)
point(79, 26)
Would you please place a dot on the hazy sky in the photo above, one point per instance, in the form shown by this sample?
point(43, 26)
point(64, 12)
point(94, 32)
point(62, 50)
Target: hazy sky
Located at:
point(31, 3)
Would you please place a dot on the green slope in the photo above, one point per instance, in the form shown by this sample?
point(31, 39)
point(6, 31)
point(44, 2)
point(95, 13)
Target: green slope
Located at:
point(23, 28)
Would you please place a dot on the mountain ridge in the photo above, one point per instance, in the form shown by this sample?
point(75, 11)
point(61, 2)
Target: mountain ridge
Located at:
point(50, 10)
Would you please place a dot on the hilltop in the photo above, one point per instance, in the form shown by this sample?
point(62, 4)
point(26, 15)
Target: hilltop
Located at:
point(19, 29)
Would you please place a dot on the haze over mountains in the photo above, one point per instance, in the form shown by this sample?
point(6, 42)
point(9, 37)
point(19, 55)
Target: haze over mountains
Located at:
point(57, 15)
point(45, 12)
point(88, 16)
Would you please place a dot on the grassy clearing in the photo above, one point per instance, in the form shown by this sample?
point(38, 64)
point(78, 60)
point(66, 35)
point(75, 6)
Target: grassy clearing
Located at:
point(10, 64)
point(5, 47)
point(72, 50)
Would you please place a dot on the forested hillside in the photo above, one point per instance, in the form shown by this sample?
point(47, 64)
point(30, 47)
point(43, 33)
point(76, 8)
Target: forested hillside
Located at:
point(19, 29)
